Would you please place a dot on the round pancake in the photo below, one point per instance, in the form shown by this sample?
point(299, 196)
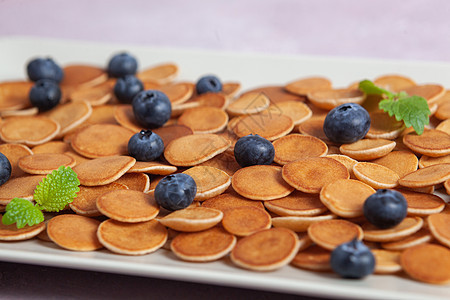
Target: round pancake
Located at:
point(431, 92)
point(78, 158)
point(368, 149)
point(12, 233)
point(443, 110)
point(375, 175)
point(311, 174)
point(81, 76)
point(230, 89)
point(408, 226)
point(297, 204)
point(132, 238)
point(299, 223)
point(135, 181)
point(192, 219)
point(204, 119)
point(152, 167)
point(346, 197)
point(304, 240)
point(103, 114)
point(421, 204)
point(444, 126)
point(51, 147)
point(32, 111)
point(203, 246)
point(70, 115)
point(401, 162)
point(382, 126)
point(19, 187)
point(248, 103)
point(207, 99)
point(416, 262)
point(276, 94)
point(210, 181)
point(270, 184)
point(102, 140)
point(13, 153)
point(14, 95)
point(386, 262)
point(28, 130)
point(294, 147)
point(393, 82)
point(439, 227)
point(266, 250)
point(178, 92)
point(45, 163)
point(427, 176)
point(313, 258)
point(124, 115)
point(314, 127)
point(245, 220)
point(431, 142)
point(296, 110)
point(266, 125)
point(307, 85)
point(420, 237)
point(331, 233)
point(191, 150)
point(73, 232)
point(348, 162)
point(103, 170)
point(329, 99)
point(160, 74)
point(230, 200)
point(169, 133)
point(95, 95)
point(224, 161)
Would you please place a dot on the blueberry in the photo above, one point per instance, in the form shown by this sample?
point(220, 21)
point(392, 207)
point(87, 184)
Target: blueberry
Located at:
point(176, 191)
point(45, 94)
point(151, 108)
point(209, 83)
point(127, 87)
point(346, 123)
point(145, 146)
point(5, 169)
point(352, 260)
point(385, 209)
point(44, 68)
point(253, 150)
point(122, 64)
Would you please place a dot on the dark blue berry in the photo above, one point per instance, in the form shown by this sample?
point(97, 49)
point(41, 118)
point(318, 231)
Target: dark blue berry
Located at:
point(352, 260)
point(122, 64)
point(253, 150)
point(127, 87)
point(5, 169)
point(151, 108)
point(145, 146)
point(386, 208)
point(45, 94)
point(346, 123)
point(44, 68)
point(176, 191)
point(208, 84)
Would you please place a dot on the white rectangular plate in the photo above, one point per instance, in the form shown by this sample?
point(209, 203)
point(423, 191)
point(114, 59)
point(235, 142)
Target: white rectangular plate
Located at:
point(251, 70)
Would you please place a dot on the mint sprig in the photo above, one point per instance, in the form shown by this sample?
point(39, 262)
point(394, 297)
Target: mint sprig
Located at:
point(53, 193)
point(412, 110)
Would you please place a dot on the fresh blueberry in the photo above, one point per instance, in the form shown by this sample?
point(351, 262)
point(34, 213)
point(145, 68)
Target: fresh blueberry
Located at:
point(44, 68)
point(386, 208)
point(145, 146)
point(346, 123)
point(45, 94)
point(176, 191)
point(209, 83)
point(5, 169)
point(151, 108)
point(122, 64)
point(352, 260)
point(253, 150)
point(127, 87)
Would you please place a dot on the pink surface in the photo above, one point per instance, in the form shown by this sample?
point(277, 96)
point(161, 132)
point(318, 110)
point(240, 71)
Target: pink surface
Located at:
point(394, 29)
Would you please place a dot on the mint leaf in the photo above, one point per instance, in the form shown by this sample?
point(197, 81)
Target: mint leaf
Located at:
point(57, 189)
point(22, 212)
point(370, 88)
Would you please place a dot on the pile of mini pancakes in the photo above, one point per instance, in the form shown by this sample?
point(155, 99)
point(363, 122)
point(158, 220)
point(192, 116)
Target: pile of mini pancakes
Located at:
point(295, 211)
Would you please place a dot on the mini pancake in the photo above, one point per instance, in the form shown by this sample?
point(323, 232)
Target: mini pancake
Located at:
point(192, 219)
point(103, 114)
point(32, 111)
point(73, 232)
point(135, 181)
point(178, 92)
point(444, 126)
point(124, 115)
point(431, 142)
point(427, 176)
point(171, 132)
point(245, 220)
point(431, 92)
point(314, 127)
point(266, 250)
point(426, 161)
point(420, 237)
point(19, 187)
point(152, 167)
point(132, 238)
point(346, 197)
point(299, 223)
point(401, 162)
point(207, 99)
point(296, 110)
point(204, 119)
point(276, 94)
point(14, 95)
point(394, 83)
point(382, 126)
point(439, 227)
point(81, 76)
point(421, 204)
point(228, 201)
point(78, 158)
point(270, 184)
point(103, 170)
point(45, 163)
point(408, 226)
point(304, 240)
point(248, 103)
point(296, 204)
point(386, 262)
point(154, 180)
point(102, 140)
point(128, 206)
point(230, 89)
point(348, 162)
point(210, 181)
point(70, 115)
point(191, 150)
point(224, 161)
point(311, 174)
point(416, 262)
point(443, 110)
point(331, 233)
point(268, 126)
point(14, 152)
point(160, 74)
point(313, 258)
point(52, 147)
point(12, 233)
point(94, 95)
point(375, 175)
point(304, 86)
point(368, 149)
point(30, 130)
point(208, 245)
point(294, 147)
point(329, 99)
point(85, 202)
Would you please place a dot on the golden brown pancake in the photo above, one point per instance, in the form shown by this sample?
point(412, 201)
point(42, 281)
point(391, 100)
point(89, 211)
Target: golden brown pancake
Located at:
point(124, 115)
point(368, 149)
point(307, 85)
point(70, 115)
point(230, 89)
point(14, 95)
point(427, 176)
point(386, 262)
point(439, 227)
point(224, 161)
point(444, 126)
point(245, 220)
point(314, 127)
point(431, 142)
point(331, 233)
point(29, 130)
point(32, 111)
point(294, 147)
point(51, 147)
point(408, 226)
point(313, 258)
point(299, 223)
point(329, 99)
point(204, 119)
point(276, 94)
point(230, 200)
point(171, 132)
point(45, 163)
point(135, 181)
point(12, 233)
point(348, 162)
point(152, 167)
point(178, 92)
point(266, 125)
point(431, 92)
point(426, 161)
point(19, 187)
point(13, 153)
point(297, 204)
point(95, 95)
point(401, 162)
point(210, 181)
point(375, 175)
point(192, 219)
point(420, 237)
point(394, 83)
point(160, 74)
point(248, 103)
point(296, 110)
point(421, 204)
point(81, 76)
point(382, 126)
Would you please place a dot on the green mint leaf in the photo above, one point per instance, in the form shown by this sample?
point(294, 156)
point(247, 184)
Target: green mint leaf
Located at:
point(57, 189)
point(370, 88)
point(22, 212)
